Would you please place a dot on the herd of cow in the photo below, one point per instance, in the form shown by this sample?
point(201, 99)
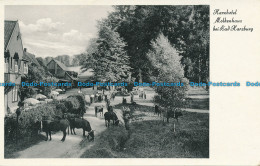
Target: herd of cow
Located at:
point(68, 121)
point(72, 121)
point(110, 115)
point(165, 113)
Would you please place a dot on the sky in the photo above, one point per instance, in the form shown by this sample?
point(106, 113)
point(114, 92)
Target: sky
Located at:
point(57, 30)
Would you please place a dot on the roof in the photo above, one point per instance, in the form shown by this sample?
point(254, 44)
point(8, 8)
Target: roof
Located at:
point(60, 64)
point(71, 77)
point(74, 68)
point(65, 68)
point(86, 75)
point(31, 58)
point(9, 28)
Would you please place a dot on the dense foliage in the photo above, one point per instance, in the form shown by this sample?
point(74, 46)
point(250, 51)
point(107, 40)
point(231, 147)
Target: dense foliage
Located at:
point(186, 27)
point(36, 74)
point(75, 104)
point(107, 56)
point(27, 121)
point(166, 67)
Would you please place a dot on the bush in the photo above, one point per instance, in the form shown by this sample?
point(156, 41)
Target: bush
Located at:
point(76, 104)
point(61, 106)
point(27, 121)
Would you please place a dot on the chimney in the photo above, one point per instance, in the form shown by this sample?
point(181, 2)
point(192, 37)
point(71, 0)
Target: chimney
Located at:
point(25, 49)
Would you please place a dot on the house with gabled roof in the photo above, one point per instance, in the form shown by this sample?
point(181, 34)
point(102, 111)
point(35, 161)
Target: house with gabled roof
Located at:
point(62, 72)
point(15, 66)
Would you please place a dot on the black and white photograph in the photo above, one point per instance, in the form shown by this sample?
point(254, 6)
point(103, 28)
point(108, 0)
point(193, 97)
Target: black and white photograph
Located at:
point(104, 81)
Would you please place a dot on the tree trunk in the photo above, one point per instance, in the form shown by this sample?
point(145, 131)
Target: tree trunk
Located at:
point(140, 76)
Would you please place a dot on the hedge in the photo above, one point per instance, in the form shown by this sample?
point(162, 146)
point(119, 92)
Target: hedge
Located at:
point(76, 104)
point(27, 121)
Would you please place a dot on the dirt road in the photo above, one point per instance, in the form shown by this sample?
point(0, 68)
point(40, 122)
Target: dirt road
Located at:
point(76, 145)
point(72, 147)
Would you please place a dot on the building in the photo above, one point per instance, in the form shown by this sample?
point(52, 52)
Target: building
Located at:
point(62, 72)
point(31, 58)
point(15, 66)
point(83, 76)
point(69, 74)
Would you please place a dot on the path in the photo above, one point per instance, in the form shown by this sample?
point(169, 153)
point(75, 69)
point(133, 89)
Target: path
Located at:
point(75, 145)
point(72, 147)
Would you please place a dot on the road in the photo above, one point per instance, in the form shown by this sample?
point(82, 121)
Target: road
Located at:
point(72, 147)
point(75, 145)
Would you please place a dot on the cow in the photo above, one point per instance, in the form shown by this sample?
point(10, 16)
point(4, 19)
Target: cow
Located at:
point(57, 124)
point(110, 109)
point(171, 114)
point(99, 109)
point(99, 97)
point(158, 110)
point(71, 118)
point(111, 116)
point(124, 100)
point(83, 124)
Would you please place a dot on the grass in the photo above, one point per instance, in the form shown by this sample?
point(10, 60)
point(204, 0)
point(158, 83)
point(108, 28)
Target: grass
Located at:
point(11, 148)
point(202, 103)
point(154, 139)
point(198, 98)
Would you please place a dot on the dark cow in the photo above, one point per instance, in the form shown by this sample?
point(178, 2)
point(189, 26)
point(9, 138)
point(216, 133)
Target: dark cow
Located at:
point(172, 114)
point(110, 109)
point(99, 109)
point(156, 110)
point(124, 100)
point(111, 116)
point(99, 97)
point(58, 124)
point(71, 118)
point(83, 124)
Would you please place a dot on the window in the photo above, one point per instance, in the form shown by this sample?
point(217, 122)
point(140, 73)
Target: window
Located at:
point(16, 60)
point(11, 63)
point(16, 66)
point(6, 64)
point(15, 94)
point(25, 68)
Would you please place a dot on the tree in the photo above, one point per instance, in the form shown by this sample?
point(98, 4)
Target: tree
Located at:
point(35, 74)
point(79, 59)
point(166, 66)
point(187, 28)
point(65, 59)
point(47, 60)
point(43, 65)
point(108, 58)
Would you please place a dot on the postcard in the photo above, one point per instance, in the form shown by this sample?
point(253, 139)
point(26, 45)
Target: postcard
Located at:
point(130, 82)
